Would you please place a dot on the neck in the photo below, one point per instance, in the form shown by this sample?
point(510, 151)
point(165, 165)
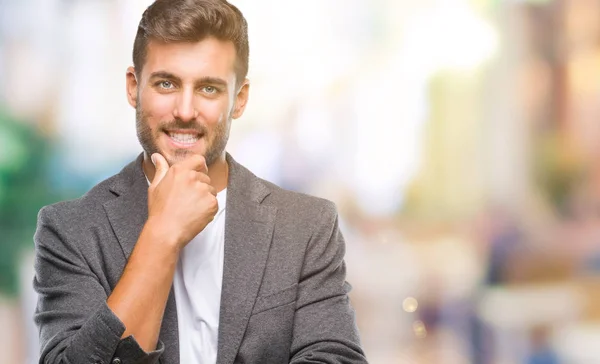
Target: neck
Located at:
point(218, 172)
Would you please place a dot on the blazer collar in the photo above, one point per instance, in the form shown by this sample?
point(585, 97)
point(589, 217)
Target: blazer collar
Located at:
point(132, 180)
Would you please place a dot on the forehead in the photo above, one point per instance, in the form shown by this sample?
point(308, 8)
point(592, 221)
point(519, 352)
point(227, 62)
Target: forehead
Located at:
point(209, 57)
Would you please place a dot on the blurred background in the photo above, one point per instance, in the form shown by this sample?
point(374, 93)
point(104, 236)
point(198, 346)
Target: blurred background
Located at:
point(460, 140)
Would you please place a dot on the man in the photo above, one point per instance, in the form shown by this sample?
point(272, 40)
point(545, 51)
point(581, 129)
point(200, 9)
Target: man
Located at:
point(185, 256)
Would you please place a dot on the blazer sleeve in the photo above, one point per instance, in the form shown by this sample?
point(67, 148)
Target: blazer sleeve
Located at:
point(75, 323)
point(325, 330)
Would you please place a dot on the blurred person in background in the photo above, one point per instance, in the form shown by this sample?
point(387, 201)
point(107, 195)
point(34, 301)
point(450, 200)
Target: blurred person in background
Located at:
point(185, 255)
point(542, 350)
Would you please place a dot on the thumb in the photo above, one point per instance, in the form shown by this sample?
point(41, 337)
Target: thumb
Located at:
point(161, 168)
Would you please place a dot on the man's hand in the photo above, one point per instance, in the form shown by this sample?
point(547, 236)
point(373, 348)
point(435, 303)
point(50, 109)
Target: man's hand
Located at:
point(181, 201)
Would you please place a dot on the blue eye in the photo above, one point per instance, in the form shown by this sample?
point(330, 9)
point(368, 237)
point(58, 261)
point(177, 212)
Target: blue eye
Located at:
point(165, 84)
point(210, 89)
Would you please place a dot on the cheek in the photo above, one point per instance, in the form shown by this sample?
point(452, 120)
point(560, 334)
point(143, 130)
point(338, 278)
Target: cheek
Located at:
point(214, 112)
point(157, 107)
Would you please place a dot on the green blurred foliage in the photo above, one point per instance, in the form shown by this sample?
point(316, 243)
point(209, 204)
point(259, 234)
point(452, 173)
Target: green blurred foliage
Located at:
point(24, 189)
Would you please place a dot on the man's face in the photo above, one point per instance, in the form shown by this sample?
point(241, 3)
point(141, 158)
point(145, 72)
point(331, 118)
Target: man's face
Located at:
point(185, 98)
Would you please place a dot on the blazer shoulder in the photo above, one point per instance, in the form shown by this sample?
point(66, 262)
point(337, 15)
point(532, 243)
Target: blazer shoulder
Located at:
point(92, 201)
point(82, 208)
point(300, 203)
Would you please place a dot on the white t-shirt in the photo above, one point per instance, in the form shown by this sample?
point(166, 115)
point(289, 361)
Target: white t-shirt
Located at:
point(197, 283)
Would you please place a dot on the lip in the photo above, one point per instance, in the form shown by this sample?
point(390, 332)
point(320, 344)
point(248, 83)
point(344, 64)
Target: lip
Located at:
point(180, 145)
point(182, 131)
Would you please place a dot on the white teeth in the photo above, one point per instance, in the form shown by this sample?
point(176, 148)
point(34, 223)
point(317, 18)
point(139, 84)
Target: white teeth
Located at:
point(184, 138)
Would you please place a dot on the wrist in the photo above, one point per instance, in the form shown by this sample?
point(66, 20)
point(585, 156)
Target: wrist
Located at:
point(155, 232)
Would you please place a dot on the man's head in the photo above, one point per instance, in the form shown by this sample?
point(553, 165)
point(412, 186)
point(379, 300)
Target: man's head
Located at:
point(189, 77)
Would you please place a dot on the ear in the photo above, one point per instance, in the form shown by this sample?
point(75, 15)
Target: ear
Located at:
point(241, 99)
point(132, 86)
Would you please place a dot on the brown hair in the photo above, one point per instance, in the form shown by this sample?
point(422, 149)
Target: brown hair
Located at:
point(192, 21)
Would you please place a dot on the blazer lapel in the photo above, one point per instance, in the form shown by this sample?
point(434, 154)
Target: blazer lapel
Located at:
point(127, 215)
point(129, 211)
point(248, 233)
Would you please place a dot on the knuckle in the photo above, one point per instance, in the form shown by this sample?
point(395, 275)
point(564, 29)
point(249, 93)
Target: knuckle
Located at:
point(213, 203)
point(198, 159)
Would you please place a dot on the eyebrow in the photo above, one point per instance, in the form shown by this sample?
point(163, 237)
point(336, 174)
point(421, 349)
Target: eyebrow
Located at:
point(202, 81)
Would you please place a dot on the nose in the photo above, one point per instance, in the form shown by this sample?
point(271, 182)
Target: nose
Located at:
point(185, 108)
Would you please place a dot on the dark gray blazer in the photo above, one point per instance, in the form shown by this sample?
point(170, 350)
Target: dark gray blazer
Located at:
point(284, 296)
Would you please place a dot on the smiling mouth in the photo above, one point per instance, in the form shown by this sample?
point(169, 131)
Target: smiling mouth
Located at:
point(184, 138)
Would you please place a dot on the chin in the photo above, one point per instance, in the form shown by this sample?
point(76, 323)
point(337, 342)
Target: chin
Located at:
point(178, 155)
